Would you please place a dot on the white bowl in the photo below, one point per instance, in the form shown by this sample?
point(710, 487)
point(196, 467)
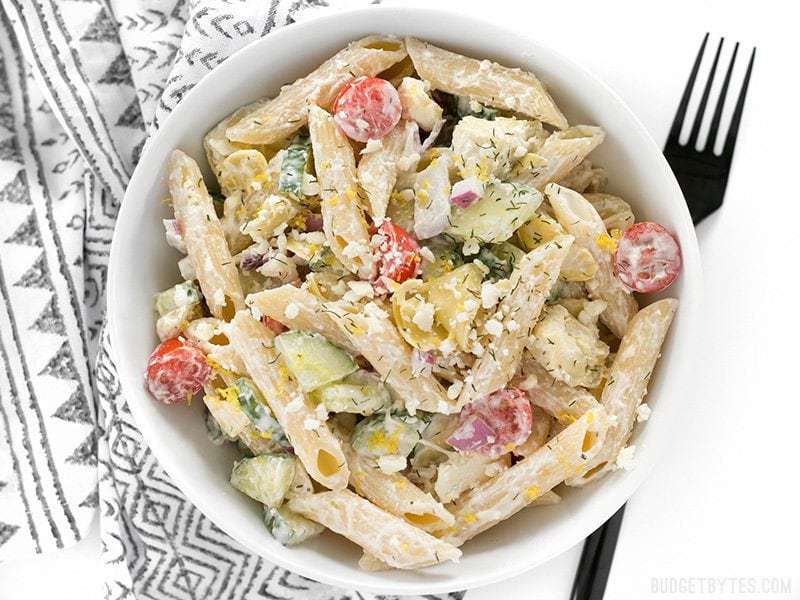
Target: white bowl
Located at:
point(142, 264)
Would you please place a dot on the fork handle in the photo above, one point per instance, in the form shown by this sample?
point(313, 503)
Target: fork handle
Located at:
point(596, 559)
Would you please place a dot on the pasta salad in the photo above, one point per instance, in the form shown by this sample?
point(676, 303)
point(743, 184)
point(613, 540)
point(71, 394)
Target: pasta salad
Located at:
point(411, 302)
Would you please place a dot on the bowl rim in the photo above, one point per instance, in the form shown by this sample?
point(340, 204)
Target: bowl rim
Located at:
point(613, 499)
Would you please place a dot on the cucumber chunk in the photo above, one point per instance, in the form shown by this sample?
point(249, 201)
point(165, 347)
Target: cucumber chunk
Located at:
point(294, 166)
point(312, 360)
point(265, 478)
point(361, 393)
point(324, 260)
point(214, 431)
point(182, 294)
point(466, 107)
point(252, 442)
point(495, 217)
point(446, 254)
point(228, 415)
point(255, 407)
point(380, 435)
point(500, 259)
point(288, 527)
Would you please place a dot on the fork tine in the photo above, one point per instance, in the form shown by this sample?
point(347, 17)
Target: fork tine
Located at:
point(701, 108)
point(680, 114)
point(730, 140)
point(723, 92)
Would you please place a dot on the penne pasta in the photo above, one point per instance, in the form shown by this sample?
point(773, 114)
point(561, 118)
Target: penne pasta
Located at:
point(315, 445)
point(395, 494)
point(581, 220)
point(368, 562)
point(280, 117)
point(586, 178)
point(216, 144)
point(539, 433)
point(488, 82)
point(386, 537)
point(566, 455)
point(204, 237)
point(531, 282)
point(615, 212)
point(208, 336)
point(564, 403)
point(547, 499)
point(311, 313)
point(561, 152)
point(377, 171)
point(342, 218)
point(462, 472)
point(628, 379)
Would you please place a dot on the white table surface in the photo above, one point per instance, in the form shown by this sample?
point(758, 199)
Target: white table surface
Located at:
point(725, 503)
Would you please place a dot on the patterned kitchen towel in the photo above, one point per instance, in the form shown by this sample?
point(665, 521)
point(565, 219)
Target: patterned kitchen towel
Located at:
point(82, 85)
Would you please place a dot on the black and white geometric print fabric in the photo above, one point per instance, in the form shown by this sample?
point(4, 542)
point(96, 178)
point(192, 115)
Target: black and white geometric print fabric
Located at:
point(83, 83)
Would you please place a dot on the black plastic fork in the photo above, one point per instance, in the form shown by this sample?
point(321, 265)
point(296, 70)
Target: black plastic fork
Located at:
point(703, 177)
point(702, 174)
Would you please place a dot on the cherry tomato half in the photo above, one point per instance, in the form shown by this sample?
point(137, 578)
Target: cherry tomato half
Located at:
point(494, 424)
point(367, 108)
point(648, 258)
point(398, 252)
point(176, 371)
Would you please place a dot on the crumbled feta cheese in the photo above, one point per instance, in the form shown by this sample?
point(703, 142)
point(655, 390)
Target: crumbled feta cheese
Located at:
point(494, 327)
point(471, 246)
point(626, 459)
point(455, 389)
point(373, 310)
point(512, 325)
point(470, 305)
point(359, 290)
point(391, 463)
point(373, 145)
point(354, 249)
point(254, 311)
point(447, 346)
point(423, 317)
point(310, 185)
point(311, 424)
point(490, 294)
point(426, 254)
point(643, 412)
point(291, 311)
point(520, 151)
point(477, 349)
